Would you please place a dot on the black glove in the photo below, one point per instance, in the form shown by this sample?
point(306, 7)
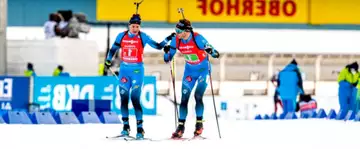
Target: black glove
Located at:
point(213, 53)
point(170, 36)
point(107, 63)
point(209, 50)
point(166, 49)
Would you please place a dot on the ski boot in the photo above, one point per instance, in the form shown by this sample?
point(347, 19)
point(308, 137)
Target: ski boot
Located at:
point(126, 130)
point(179, 131)
point(140, 133)
point(198, 128)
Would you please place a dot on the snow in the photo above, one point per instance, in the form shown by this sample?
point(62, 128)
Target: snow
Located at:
point(242, 134)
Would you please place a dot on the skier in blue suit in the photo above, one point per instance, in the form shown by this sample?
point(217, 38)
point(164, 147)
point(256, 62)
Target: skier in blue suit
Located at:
point(195, 49)
point(132, 43)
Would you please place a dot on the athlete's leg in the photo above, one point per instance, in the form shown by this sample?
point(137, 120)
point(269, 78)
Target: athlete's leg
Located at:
point(124, 90)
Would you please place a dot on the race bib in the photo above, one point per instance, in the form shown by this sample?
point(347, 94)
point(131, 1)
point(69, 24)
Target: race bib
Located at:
point(130, 52)
point(191, 58)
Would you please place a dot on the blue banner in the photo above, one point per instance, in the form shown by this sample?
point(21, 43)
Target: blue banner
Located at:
point(57, 92)
point(14, 92)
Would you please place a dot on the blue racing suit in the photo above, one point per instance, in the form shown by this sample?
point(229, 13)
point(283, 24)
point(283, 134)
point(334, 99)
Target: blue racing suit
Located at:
point(131, 73)
point(197, 69)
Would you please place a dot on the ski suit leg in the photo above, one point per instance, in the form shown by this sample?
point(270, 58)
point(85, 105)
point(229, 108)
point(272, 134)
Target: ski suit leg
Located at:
point(124, 90)
point(202, 83)
point(285, 105)
point(344, 95)
point(352, 103)
point(288, 105)
point(357, 101)
point(188, 83)
point(292, 105)
point(137, 78)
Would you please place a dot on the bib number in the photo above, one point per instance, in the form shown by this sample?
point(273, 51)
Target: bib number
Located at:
point(191, 57)
point(130, 52)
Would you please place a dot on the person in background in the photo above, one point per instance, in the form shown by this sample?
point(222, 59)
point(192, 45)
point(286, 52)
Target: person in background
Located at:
point(348, 80)
point(277, 101)
point(306, 104)
point(290, 84)
point(59, 72)
point(51, 28)
point(30, 70)
point(357, 100)
point(101, 70)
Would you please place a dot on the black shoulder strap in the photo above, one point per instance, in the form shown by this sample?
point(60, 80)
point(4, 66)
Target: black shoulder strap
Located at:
point(125, 32)
point(141, 40)
point(193, 37)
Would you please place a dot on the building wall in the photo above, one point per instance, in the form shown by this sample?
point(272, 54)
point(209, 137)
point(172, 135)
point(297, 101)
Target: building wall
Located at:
point(36, 12)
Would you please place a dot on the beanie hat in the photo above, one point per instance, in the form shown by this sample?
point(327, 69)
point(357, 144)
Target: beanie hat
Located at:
point(135, 19)
point(184, 24)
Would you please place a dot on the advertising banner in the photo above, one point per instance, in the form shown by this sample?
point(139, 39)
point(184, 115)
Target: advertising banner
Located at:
point(14, 92)
point(249, 11)
point(57, 93)
point(335, 12)
point(122, 10)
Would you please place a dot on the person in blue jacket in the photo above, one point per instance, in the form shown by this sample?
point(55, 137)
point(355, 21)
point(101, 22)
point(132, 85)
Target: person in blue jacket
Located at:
point(131, 74)
point(290, 84)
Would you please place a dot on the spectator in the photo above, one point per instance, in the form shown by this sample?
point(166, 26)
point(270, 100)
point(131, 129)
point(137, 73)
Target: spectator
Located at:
point(277, 101)
point(289, 85)
point(75, 25)
point(29, 70)
point(101, 71)
point(348, 79)
point(62, 23)
point(59, 72)
point(51, 28)
point(306, 104)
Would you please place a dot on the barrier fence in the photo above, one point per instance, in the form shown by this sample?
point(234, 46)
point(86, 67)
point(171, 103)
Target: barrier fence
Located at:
point(57, 93)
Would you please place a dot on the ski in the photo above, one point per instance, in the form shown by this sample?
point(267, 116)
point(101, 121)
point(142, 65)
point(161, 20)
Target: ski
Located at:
point(197, 138)
point(138, 139)
point(123, 137)
point(178, 139)
point(131, 138)
point(128, 138)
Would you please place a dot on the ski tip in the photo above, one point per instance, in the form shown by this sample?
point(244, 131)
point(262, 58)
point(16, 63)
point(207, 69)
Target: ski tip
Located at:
point(198, 138)
point(180, 139)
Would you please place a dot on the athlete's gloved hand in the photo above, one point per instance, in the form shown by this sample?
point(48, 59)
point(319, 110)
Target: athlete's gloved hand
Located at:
point(107, 63)
point(170, 36)
point(166, 49)
point(166, 57)
point(213, 53)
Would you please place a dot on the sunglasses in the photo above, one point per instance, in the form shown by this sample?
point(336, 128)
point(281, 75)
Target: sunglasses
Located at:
point(179, 31)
